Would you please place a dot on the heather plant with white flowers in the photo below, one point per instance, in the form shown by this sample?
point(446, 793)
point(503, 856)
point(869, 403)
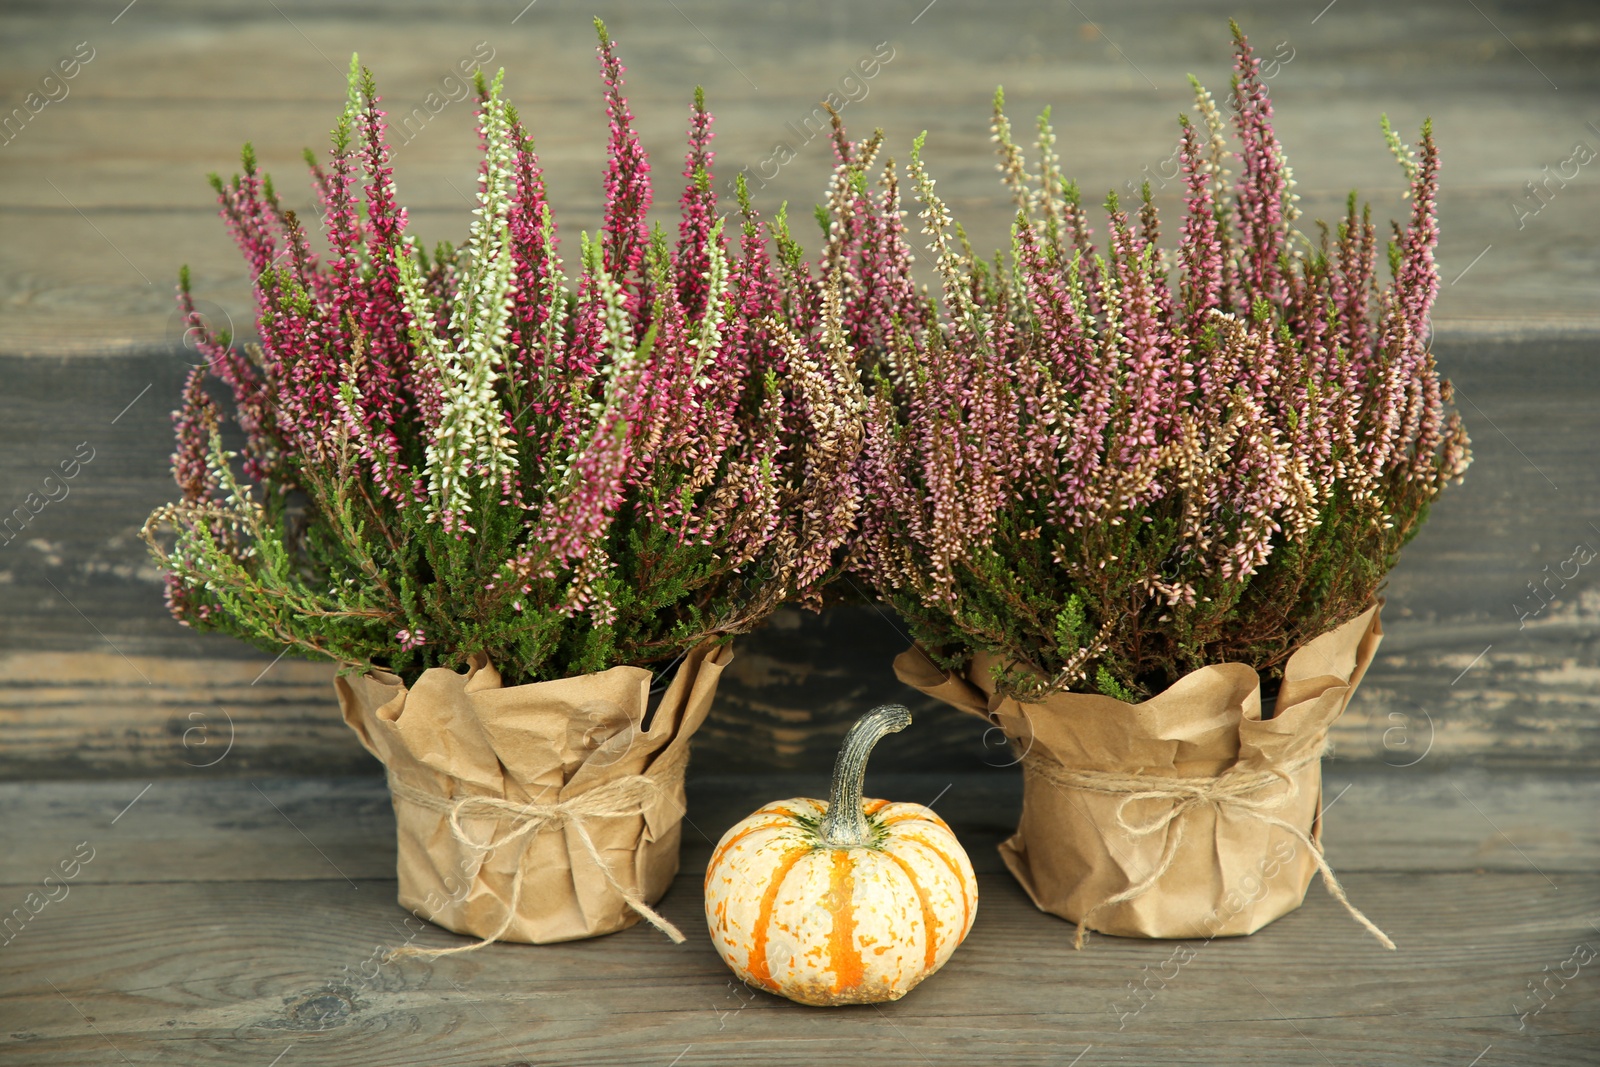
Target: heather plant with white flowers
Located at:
point(1111, 466)
point(463, 453)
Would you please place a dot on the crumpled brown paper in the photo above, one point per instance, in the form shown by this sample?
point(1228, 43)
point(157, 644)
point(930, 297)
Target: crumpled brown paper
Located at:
point(1089, 834)
point(456, 735)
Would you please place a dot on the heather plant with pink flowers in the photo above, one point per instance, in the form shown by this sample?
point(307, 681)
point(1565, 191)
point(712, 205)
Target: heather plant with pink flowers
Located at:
point(465, 453)
point(1110, 466)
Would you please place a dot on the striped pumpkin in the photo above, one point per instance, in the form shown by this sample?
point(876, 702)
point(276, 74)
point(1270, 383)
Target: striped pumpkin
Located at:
point(845, 902)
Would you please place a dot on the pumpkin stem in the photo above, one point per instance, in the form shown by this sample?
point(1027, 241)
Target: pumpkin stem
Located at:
point(845, 824)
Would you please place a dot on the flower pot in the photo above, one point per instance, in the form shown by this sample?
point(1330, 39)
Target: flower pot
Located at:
point(537, 813)
point(1185, 816)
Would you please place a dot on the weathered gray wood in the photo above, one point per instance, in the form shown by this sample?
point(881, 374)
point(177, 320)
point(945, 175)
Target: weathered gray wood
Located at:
point(242, 972)
point(175, 86)
point(794, 686)
point(177, 830)
point(209, 928)
point(84, 713)
point(263, 953)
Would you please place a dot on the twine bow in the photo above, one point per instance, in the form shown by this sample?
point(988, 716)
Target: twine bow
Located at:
point(630, 795)
point(1243, 791)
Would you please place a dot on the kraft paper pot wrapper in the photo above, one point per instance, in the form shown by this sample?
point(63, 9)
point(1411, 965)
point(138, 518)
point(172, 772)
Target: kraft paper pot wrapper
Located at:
point(1185, 816)
point(524, 774)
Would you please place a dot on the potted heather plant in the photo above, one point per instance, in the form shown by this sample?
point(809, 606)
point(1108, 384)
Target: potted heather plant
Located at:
point(525, 516)
point(1119, 493)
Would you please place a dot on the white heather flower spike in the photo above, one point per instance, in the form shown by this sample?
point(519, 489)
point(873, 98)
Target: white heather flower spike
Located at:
point(352, 102)
point(709, 335)
point(1012, 167)
point(1050, 176)
point(618, 334)
point(471, 440)
point(936, 225)
point(1403, 154)
point(1216, 139)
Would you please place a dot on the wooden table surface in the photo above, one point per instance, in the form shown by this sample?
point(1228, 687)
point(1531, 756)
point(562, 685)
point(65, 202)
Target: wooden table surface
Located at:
point(228, 921)
point(232, 906)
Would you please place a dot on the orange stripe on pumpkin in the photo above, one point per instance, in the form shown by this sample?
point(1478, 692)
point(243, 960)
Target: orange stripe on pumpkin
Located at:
point(955, 870)
point(929, 921)
point(925, 815)
point(872, 807)
point(757, 964)
point(716, 857)
point(843, 956)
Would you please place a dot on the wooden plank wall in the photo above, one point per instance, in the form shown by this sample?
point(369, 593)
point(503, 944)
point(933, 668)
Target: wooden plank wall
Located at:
point(102, 195)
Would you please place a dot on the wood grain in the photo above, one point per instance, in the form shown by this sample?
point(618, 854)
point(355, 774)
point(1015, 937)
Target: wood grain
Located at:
point(167, 954)
point(81, 714)
point(109, 179)
point(1378, 819)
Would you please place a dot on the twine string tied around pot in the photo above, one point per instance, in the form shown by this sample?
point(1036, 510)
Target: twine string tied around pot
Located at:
point(1247, 791)
point(630, 795)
